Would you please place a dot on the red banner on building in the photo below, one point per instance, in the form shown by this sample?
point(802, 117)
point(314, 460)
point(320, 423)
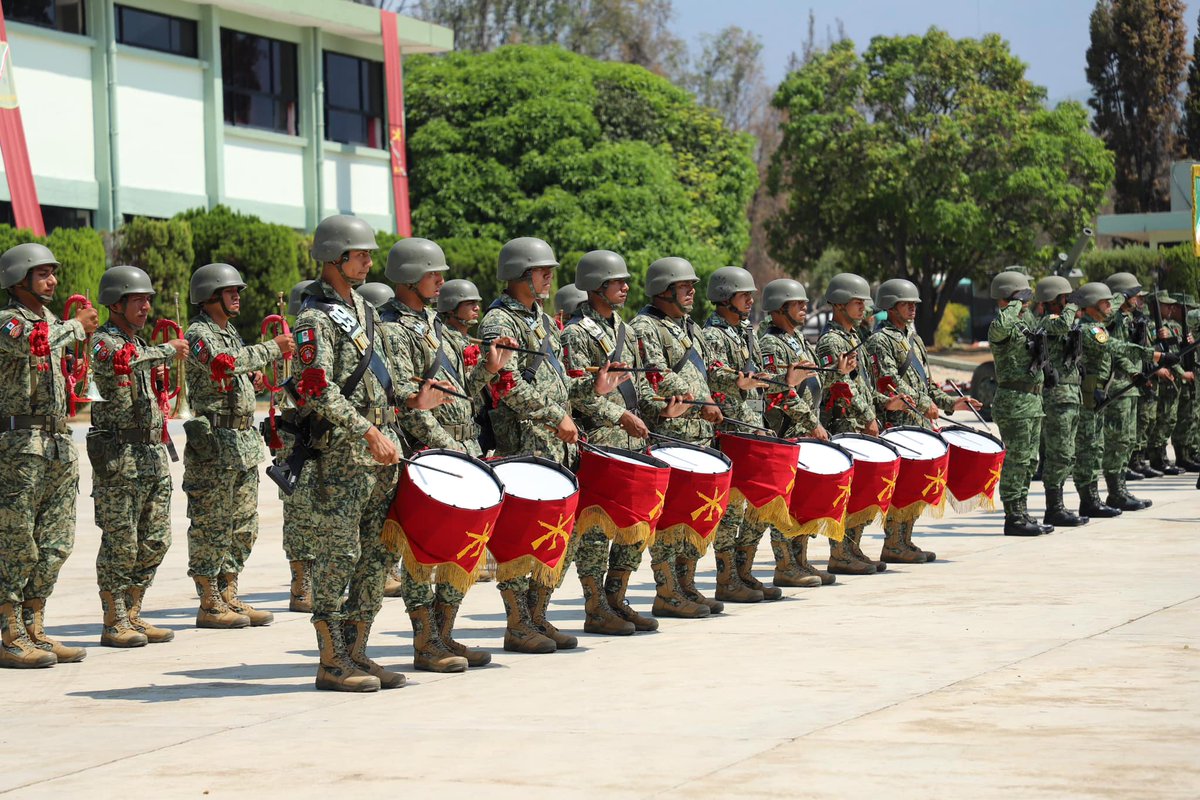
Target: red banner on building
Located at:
point(394, 80)
point(21, 188)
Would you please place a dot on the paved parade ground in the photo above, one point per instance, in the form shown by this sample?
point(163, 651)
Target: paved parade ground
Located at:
point(1062, 666)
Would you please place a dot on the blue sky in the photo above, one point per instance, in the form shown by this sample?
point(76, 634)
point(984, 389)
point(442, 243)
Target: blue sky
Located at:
point(1051, 36)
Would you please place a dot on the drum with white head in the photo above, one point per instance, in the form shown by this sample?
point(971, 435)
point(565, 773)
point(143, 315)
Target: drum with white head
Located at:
point(824, 478)
point(697, 493)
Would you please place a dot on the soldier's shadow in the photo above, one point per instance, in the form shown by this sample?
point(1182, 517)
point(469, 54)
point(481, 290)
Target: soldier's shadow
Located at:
point(189, 691)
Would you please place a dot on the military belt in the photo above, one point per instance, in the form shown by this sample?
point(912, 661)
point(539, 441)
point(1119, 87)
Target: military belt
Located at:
point(1027, 387)
point(379, 416)
point(462, 431)
point(238, 422)
point(137, 436)
point(43, 422)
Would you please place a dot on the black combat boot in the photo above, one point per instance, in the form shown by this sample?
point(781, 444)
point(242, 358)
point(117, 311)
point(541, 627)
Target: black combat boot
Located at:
point(1057, 513)
point(1119, 496)
point(1184, 458)
point(1159, 460)
point(1021, 525)
point(1091, 504)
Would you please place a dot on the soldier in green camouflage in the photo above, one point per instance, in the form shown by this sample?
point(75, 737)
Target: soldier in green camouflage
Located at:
point(298, 545)
point(1169, 390)
point(1096, 302)
point(37, 500)
point(1184, 437)
point(131, 480)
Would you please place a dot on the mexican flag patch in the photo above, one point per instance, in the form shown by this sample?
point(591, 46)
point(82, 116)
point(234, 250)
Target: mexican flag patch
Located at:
point(14, 328)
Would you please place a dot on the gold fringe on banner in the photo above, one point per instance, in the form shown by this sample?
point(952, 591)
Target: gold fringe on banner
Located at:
point(456, 576)
point(826, 526)
point(774, 513)
point(974, 503)
point(396, 541)
point(684, 534)
point(863, 517)
point(528, 565)
point(597, 517)
point(914, 511)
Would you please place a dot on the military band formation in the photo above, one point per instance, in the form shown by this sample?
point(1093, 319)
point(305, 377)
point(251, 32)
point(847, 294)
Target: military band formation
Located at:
point(386, 374)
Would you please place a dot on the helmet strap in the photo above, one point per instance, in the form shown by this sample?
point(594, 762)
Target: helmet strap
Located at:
point(338, 265)
point(29, 285)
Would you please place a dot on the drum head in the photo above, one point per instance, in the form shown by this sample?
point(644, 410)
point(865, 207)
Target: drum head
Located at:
point(865, 448)
point(476, 486)
point(823, 458)
point(972, 440)
point(913, 441)
point(695, 460)
point(535, 480)
point(627, 456)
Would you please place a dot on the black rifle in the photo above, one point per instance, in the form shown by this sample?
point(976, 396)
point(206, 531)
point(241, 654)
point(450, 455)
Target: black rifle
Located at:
point(1167, 360)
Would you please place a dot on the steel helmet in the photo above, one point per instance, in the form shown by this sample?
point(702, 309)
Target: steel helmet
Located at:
point(296, 297)
point(728, 281)
point(896, 290)
point(409, 260)
point(1050, 287)
point(1007, 285)
point(118, 281)
point(337, 235)
point(17, 261)
point(666, 271)
point(847, 286)
point(1125, 283)
point(1091, 294)
point(212, 278)
point(522, 254)
point(456, 292)
point(597, 268)
point(568, 299)
point(375, 293)
point(781, 291)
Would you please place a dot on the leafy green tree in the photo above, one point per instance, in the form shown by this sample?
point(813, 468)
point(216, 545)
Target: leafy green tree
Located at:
point(928, 158)
point(163, 248)
point(1191, 102)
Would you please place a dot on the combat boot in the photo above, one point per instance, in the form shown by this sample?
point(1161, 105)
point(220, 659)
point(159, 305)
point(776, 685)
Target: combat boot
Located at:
point(895, 549)
point(392, 584)
point(33, 612)
point(519, 634)
point(446, 614)
point(539, 603)
point(18, 650)
point(301, 589)
point(1056, 511)
point(1119, 496)
point(213, 612)
point(669, 601)
point(854, 538)
point(133, 608)
point(1044, 528)
point(800, 552)
point(1159, 460)
point(117, 630)
point(744, 558)
point(239, 606)
point(1091, 504)
point(1020, 525)
point(1140, 468)
point(1184, 459)
point(598, 617)
point(336, 672)
point(355, 634)
point(430, 653)
point(787, 569)
point(842, 560)
point(615, 586)
point(908, 541)
point(729, 584)
point(685, 583)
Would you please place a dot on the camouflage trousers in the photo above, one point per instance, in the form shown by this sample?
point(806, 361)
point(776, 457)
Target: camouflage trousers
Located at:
point(1168, 411)
point(418, 594)
point(1145, 417)
point(596, 554)
point(223, 509)
point(1018, 415)
point(350, 561)
point(1120, 417)
point(298, 533)
point(735, 530)
point(1187, 427)
point(37, 524)
point(1059, 430)
point(521, 584)
point(1089, 447)
point(135, 525)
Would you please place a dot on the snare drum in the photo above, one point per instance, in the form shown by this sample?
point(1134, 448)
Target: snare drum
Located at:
point(824, 477)
point(876, 464)
point(924, 463)
point(535, 524)
point(764, 472)
point(439, 520)
point(621, 492)
point(697, 494)
point(976, 459)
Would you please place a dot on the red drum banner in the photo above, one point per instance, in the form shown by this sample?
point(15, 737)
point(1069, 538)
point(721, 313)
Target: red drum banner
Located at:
point(537, 520)
point(764, 472)
point(975, 462)
point(924, 466)
point(697, 495)
point(824, 478)
point(876, 465)
point(622, 493)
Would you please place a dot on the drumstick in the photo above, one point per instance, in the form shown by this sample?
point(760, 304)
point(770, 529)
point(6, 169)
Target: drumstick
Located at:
point(756, 377)
point(666, 438)
point(659, 399)
point(431, 469)
point(415, 379)
point(894, 443)
point(473, 340)
point(747, 424)
point(590, 447)
point(959, 392)
point(620, 369)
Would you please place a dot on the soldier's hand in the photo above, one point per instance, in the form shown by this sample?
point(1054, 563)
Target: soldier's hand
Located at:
point(847, 362)
point(676, 406)
point(1165, 374)
point(566, 430)
point(607, 381)
point(1164, 334)
point(895, 403)
point(797, 374)
point(497, 358)
point(427, 397)
point(89, 318)
point(872, 428)
point(633, 425)
point(712, 414)
point(967, 404)
point(1189, 376)
point(933, 412)
point(819, 432)
point(747, 381)
point(285, 342)
point(260, 381)
point(382, 449)
point(180, 346)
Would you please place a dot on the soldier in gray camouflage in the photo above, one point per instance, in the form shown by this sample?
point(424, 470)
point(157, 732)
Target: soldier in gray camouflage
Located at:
point(567, 301)
point(37, 499)
point(298, 542)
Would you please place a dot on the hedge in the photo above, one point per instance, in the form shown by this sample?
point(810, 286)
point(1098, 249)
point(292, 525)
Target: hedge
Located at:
point(1180, 269)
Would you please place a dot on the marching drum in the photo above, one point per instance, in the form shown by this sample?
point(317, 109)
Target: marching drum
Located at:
point(536, 521)
point(444, 520)
point(622, 493)
point(764, 469)
point(975, 461)
point(824, 477)
point(697, 495)
point(924, 461)
point(876, 464)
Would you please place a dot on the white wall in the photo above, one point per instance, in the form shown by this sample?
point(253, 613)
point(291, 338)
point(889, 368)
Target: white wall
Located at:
point(263, 172)
point(357, 184)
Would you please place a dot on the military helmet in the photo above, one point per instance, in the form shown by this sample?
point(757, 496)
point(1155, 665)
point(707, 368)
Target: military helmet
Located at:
point(17, 261)
point(1091, 294)
point(296, 297)
point(118, 281)
point(1007, 284)
point(896, 290)
point(847, 286)
point(568, 299)
point(337, 235)
point(666, 271)
point(1050, 287)
point(1018, 268)
point(598, 267)
point(409, 260)
point(375, 293)
point(728, 281)
point(1125, 283)
point(212, 278)
point(781, 291)
point(1164, 298)
point(1188, 300)
point(522, 254)
point(455, 292)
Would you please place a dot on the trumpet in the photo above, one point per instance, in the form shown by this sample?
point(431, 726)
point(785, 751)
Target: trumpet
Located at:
point(182, 410)
point(77, 365)
point(165, 387)
point(275, 377)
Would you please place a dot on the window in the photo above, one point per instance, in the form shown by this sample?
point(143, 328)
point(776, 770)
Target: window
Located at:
point(62, 15)
point(353, 100)
point(260, 82)
point(53, 217)
point(156, 31)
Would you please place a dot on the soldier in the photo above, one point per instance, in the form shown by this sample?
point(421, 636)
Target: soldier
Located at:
point(1060, 402)
point(851, 399)
point(37, 508)
point(669, 342)
point(567, 301)
point(223, 449)
point(1169, 391)
point(1183, 438)
point(297, 543)
point(1017, 408)
point(1095, 301)
point(1145, 399)
point(899, 354)
point(791, 414)
point(131, 479)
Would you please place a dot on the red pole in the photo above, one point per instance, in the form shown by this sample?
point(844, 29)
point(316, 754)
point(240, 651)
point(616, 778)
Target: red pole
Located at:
point(394, 79)
point(21, 188)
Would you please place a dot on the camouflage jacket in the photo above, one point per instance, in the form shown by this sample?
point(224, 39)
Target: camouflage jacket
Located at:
point(892, 351)
point(1010, 349)
point(795, 413)
point(1060, 331)
point(129, 399)
point(663, 344)
point(733, 349)
point(1129, 357)
point(839, 414)
point(34, 384)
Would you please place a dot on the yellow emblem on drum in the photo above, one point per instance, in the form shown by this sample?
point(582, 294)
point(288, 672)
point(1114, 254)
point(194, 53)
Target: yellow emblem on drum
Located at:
point(553, 532)
point(710, 504)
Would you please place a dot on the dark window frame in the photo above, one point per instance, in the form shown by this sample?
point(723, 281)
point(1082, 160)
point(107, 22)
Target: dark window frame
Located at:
point(244, 101)
point(179, 31)
point(74, 22)
point(365, 102)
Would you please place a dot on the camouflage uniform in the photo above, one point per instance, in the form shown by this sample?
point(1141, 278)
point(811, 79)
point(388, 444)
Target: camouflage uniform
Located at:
point(1060, 403)
point(1187, 430)
point(1099, 352)
point(1168, 399)
point(839, 415)
point(1017, 407)
point(1120, 416)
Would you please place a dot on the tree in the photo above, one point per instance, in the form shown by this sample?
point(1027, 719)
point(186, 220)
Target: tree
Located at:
point(727, 76)
point(163, 248)
point(1191, 103)
point(928, 158)
point(1135, 64)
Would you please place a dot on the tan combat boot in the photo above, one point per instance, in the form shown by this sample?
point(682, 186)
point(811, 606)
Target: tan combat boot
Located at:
point(117, 630)
point(519, 634)
point(787, 569)
point(854, 538)
point(598, 616)
point(669, 600)
point(745, 569)
point(239, 606)
point(895, 549)
point(800, 553)
point(539, 604)
point(133, 607)
point(33, 612)
point(908, 541)
point(429, 651)
point(393, 585)
point(355, 634)
point(301, 590)
point(842, 560)
point(213, 611)
point(615, 586)
point(336, 672)
point(685, 581)
point(729, 585)
point(18, 650)
point(446, 614)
